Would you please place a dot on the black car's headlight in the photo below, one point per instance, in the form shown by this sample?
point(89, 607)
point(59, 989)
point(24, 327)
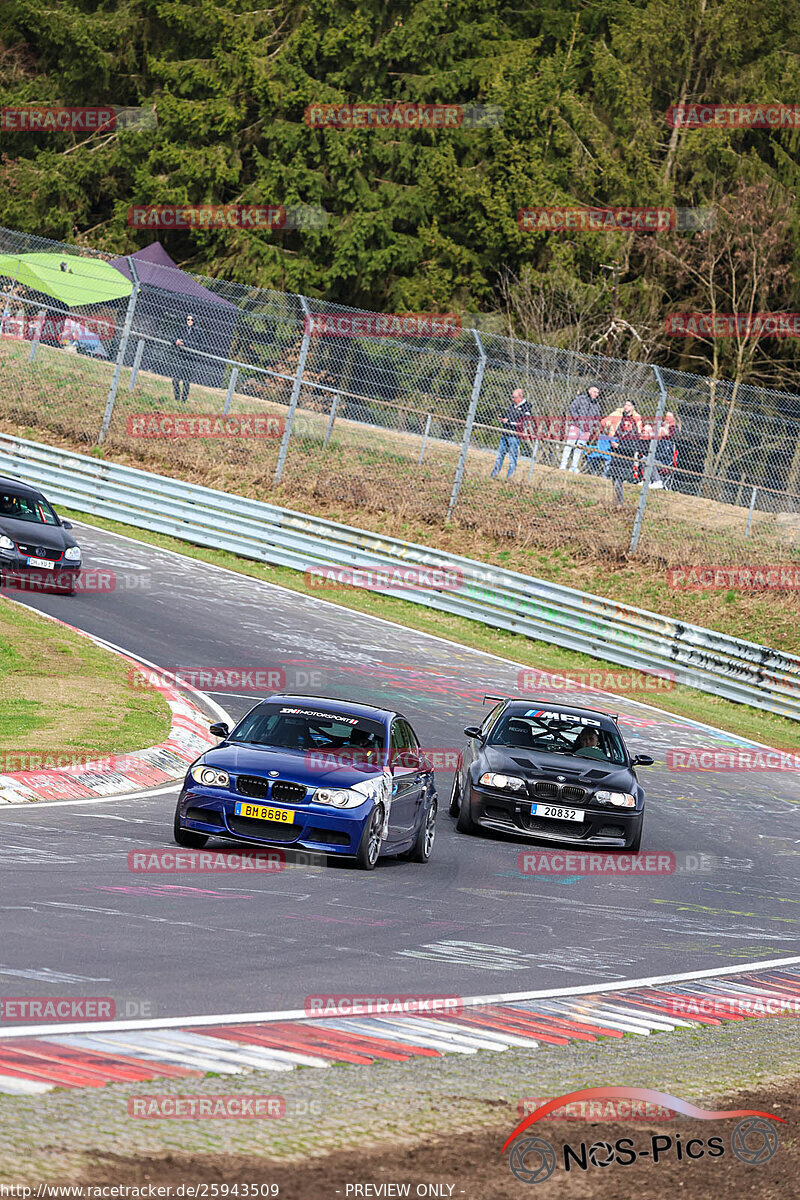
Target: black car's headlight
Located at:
point(618, 799)
point(210, 776)
point(6, 543)
point(73, 553)
point(511, 783)
point(339, 797)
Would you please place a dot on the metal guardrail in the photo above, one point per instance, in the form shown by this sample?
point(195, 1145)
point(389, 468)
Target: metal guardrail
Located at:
point(699, 658)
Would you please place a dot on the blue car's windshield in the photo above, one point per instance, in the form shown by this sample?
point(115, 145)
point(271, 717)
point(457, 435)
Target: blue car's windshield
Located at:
point(559, 733)
point(287, 727)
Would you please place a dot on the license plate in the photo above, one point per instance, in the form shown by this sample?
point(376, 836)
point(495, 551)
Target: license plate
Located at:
point(557, 812)
point(261, 813)
point(41, 562)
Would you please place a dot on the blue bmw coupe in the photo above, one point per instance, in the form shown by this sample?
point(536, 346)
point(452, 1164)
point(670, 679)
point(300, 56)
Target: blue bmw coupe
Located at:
point(310, 773)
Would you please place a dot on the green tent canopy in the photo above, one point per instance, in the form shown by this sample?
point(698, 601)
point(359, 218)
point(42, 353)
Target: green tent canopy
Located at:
point(82, 281)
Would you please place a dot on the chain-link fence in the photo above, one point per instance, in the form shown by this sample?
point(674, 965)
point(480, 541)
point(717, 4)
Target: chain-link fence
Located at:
point(279, 396)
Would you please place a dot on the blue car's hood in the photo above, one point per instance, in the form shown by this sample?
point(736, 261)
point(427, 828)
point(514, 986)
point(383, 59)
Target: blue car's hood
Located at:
point(312, 768)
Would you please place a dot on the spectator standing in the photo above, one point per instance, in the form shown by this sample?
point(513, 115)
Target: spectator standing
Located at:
point(625, 428)
point(665, 452)
point(583, 421)
point(188, 339)
point(516, 421)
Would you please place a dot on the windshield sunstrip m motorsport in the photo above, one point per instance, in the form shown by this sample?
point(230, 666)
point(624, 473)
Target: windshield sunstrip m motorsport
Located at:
point(553, 773)
point(311, 773)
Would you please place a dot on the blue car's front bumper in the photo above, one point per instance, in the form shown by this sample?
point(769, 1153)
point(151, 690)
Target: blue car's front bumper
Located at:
point(315, 827)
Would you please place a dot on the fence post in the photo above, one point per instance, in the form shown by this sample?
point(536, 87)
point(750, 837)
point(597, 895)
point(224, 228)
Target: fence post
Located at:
point(298, 380)
point(750, 513)
point(226, 408)
point(137, 360)
point(424, 440)
point(331, 419)
point(473, 405)
point(123, 346)
point(648, 466)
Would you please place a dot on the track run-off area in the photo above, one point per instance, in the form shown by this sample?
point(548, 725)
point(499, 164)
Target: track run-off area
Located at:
point(78, 922)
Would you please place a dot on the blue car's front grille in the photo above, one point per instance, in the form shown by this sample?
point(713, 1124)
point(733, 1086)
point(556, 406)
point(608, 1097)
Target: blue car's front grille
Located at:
point(253, 785)
point(282, 791)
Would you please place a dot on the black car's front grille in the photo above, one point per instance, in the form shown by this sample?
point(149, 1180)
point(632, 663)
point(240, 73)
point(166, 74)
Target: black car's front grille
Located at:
point(270, 831)
point(289, 793)
point(551, 790)
point(253, 785)
point(615, 831)
point(544, 788)
point(48, 552)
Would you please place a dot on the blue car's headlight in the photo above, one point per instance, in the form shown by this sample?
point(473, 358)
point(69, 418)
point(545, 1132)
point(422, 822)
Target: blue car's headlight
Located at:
point(210, 776)
point(73, 553)
point(339, 797)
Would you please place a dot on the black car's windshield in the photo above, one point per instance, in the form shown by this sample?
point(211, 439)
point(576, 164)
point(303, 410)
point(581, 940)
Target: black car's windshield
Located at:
point(286, 727)
point(26, 508)
point(559, 733)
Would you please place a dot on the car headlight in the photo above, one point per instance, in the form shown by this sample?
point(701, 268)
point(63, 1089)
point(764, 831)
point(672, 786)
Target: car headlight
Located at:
point(210, 776)
point(619, 799)
point(6, 543)
point(338, 797)
point(510, 783)
point(73, 553)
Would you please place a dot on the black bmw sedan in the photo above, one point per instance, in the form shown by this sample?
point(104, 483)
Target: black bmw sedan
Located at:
point(36, 547)
point(550, 773)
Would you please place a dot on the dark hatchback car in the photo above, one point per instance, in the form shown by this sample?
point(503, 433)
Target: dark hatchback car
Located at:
point(550, 772)
point(36, 548)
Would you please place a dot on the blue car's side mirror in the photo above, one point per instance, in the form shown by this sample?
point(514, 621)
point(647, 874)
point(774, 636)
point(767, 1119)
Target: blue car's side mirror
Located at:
point(219, 729)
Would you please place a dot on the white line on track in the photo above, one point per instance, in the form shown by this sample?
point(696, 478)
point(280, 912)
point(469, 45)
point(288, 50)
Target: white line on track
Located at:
point(299, 1014)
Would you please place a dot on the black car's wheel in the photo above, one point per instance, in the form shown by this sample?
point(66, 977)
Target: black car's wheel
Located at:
point(185, 837)
point(465, 823)
point(421, 850)
point(370, 845)
point(455, 800)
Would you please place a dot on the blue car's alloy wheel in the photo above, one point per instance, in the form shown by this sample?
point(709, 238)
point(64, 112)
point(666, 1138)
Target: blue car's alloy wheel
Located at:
point(370, 847)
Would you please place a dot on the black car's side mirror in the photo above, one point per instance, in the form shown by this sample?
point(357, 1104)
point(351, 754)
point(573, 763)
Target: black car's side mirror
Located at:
point(66, 524)
point(219, 729)
point(643, 760)
point(472, 731)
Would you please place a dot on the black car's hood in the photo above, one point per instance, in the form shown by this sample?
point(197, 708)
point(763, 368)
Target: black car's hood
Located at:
point(585, 772)
point(34, 533)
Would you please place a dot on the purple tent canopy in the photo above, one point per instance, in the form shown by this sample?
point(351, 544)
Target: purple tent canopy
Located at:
point(156, 269)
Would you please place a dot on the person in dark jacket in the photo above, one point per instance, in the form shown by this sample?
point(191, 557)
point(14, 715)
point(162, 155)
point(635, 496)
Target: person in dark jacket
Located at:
point(516, 424)
point(188, 339)
point(583, 426)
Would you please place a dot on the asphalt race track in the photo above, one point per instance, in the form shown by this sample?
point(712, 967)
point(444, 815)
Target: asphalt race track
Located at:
point(76, 921)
